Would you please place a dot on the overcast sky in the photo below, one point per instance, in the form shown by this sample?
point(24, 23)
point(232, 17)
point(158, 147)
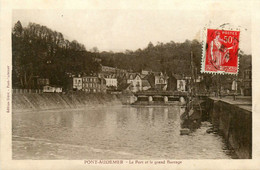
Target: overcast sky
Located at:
point(118, 30)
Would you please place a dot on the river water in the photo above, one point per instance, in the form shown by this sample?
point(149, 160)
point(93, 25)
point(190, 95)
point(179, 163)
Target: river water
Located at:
point(111, 132)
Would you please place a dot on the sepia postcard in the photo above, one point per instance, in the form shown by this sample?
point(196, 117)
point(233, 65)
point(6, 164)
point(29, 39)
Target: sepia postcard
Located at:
point(129, 84)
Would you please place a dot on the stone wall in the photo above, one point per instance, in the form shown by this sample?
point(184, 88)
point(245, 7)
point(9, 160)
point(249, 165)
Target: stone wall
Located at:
point(235, 123)
point(47, 101)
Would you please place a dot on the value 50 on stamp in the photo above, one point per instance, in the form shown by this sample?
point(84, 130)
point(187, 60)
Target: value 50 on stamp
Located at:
point(221, 52)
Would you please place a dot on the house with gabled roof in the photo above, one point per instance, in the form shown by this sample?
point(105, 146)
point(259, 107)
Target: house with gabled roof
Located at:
point(125, 87)
point(177, 82)
point(157, 80)
point(134, 79)
point(145, 85)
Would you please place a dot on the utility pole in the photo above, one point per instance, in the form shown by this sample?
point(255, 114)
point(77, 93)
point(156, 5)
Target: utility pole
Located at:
point(235, 87)
point(192, 80)
point(191, 63)
point(219, 87)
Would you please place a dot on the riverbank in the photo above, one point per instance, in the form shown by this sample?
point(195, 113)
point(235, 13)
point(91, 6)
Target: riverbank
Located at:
point(233, 119)
point(53, 101)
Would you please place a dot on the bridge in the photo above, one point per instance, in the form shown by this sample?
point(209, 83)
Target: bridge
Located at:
point(160, 96)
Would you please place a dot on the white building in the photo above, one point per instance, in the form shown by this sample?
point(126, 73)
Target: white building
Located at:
point(181, 84)
point(111, 82)
point(52, 89)
point(234, 85)
point(77, 83)
point(135, 80)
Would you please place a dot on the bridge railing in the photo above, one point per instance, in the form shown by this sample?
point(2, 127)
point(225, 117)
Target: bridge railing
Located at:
point(161, 93)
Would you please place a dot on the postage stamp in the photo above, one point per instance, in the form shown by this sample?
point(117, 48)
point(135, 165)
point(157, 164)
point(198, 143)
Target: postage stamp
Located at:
point(221, 52)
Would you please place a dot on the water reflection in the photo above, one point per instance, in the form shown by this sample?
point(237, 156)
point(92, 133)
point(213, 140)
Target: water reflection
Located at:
point(114, 132)
point(165, 111)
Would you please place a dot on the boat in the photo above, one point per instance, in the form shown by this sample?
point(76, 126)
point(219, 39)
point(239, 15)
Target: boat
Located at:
point(191, 118)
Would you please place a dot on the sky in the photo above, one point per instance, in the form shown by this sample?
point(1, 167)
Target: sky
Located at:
point(120, 29)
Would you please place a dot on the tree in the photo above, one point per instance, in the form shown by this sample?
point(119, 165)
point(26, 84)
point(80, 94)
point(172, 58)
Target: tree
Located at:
point(94, 49)
point(18, 29)
point(38, 51)
point(150, 45)
point(128, 52)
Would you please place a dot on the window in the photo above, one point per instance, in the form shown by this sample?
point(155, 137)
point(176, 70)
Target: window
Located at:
point(161, 80)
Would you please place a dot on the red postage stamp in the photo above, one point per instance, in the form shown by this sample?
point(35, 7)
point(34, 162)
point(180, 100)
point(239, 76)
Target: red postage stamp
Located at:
point(221, 52)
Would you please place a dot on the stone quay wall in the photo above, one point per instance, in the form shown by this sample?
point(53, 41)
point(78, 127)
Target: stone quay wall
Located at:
point(234, 123)
point(49, 101)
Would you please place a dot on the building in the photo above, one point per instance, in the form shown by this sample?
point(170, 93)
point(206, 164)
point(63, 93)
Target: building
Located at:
point(199, 78)
point(125, 88)
point(108, 69)
point(157, 80)
point(97, 59)
point(172, 82)
point(181, 85)
point(177, 82)
point(144, 73)
point(111, 81)
point(77, 83)
point(52, 89)
point(247, 82)
point(234, 85)
point(145, 85)
point(42, 82)
point(134, 79)
point(93, 84)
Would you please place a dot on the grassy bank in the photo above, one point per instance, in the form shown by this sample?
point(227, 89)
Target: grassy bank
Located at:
point(47, 101)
